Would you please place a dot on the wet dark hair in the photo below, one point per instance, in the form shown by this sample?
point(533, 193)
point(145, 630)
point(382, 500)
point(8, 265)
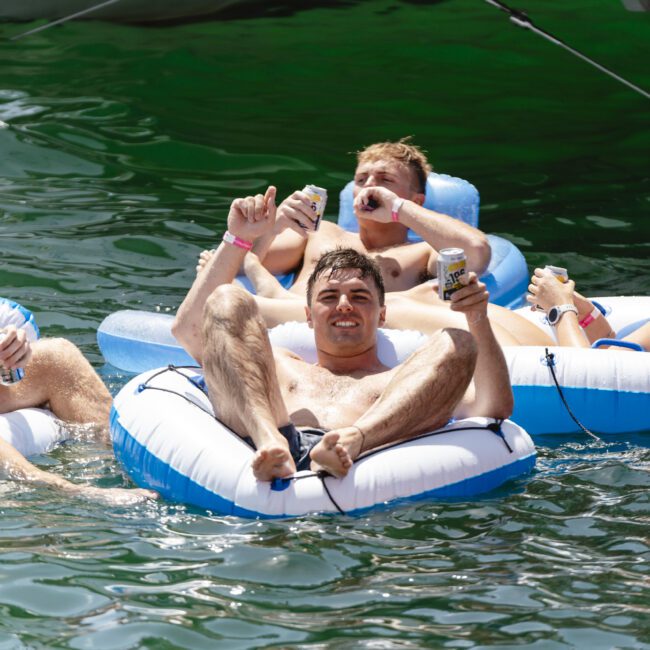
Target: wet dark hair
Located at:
point(346, 258)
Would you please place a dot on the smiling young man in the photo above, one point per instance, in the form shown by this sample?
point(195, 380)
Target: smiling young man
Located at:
point(348, 401)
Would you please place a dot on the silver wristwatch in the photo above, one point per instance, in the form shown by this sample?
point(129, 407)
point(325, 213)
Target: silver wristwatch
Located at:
point(556, 312)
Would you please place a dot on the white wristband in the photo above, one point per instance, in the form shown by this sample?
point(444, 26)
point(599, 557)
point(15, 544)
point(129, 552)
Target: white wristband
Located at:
point(394, 213)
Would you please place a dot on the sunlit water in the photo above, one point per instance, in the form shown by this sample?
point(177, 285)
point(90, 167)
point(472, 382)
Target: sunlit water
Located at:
point(122, 150)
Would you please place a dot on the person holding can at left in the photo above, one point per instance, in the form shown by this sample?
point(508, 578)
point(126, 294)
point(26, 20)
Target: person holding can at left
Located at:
point(55, 375)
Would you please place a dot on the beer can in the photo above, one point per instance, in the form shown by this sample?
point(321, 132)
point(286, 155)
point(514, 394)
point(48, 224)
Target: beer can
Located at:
point(9, 376)
point(561, 275)
point(452, 264)
point(318, 200)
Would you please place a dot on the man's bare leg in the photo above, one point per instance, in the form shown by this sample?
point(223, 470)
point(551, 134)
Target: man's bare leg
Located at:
point(421, 309)
point(59, 376)
point(242, 380)
point(420, 397)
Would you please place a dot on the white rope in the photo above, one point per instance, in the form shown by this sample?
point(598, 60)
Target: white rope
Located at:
point(64, 19)
point(521, 19)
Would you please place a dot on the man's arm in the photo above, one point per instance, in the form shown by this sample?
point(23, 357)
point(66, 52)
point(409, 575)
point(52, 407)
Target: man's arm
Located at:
point(437, 229)
point(546, 291)
point(248, 219)
point(490, 393)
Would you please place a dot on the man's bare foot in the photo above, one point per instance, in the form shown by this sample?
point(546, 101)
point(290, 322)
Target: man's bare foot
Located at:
point(204, 258)
point(272, 462)
point(329, 454)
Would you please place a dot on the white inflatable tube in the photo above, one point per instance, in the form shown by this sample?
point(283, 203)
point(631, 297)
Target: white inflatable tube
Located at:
point(166, 437)
point(608, 391)
point(11, 313)
point(31, 431)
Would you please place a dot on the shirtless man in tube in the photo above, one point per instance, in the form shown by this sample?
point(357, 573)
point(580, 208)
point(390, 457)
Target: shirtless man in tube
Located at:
point(358, 403)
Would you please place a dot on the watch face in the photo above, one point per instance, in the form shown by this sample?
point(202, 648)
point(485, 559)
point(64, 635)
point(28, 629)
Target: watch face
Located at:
point(553, 315)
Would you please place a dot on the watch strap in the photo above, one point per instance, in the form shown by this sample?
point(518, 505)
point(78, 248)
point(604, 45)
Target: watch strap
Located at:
point(557, 311)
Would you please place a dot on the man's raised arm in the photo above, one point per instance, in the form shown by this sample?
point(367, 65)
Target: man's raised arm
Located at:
point(249, 219)
point(437, 229)
point(490, 393)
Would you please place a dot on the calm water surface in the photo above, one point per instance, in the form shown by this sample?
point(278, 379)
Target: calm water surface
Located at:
point(122, 148)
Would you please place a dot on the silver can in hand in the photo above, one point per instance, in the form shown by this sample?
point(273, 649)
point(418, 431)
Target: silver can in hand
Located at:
point(452, 264)
point(9, 376)
point(318, 201)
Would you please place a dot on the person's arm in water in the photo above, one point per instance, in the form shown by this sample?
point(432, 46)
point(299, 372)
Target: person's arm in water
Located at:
point(249, 218)
point(490, 393)
point(437, 229)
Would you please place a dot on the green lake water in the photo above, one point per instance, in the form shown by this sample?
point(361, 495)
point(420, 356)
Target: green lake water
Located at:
point(122, 149)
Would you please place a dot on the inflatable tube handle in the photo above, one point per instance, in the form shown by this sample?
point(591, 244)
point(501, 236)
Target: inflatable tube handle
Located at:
point(621, 344)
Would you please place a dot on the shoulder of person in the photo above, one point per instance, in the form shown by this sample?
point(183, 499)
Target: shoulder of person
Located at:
point(331, 227)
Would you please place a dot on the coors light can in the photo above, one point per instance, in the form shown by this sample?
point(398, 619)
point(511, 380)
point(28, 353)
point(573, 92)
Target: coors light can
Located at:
point(9, 376)
point(452, 264)
point(318, 200)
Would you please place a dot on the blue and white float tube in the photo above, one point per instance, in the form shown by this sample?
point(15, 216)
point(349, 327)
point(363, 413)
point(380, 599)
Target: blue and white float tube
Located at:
point(507, 274)
point(12, 313)
point(608, 391)
point(31, 430)
point(167, 439)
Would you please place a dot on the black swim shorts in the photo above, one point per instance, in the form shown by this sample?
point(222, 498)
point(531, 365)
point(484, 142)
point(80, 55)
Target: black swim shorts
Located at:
point(301, 441)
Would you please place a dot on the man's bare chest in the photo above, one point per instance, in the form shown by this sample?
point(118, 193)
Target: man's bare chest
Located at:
point(316, 397)
point(402, 266)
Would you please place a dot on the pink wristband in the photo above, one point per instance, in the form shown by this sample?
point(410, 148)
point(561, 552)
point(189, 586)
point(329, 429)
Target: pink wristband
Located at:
point(229, 238)
point(589, 318)
point(397, 204)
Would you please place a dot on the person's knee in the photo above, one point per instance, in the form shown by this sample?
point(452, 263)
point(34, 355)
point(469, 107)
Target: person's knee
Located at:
point(230, 307)
point(230, 302)
point(53, 353)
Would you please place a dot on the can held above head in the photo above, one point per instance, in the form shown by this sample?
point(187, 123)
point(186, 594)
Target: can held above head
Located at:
point(9, 376)
point(318, 200)
point(452, 264)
